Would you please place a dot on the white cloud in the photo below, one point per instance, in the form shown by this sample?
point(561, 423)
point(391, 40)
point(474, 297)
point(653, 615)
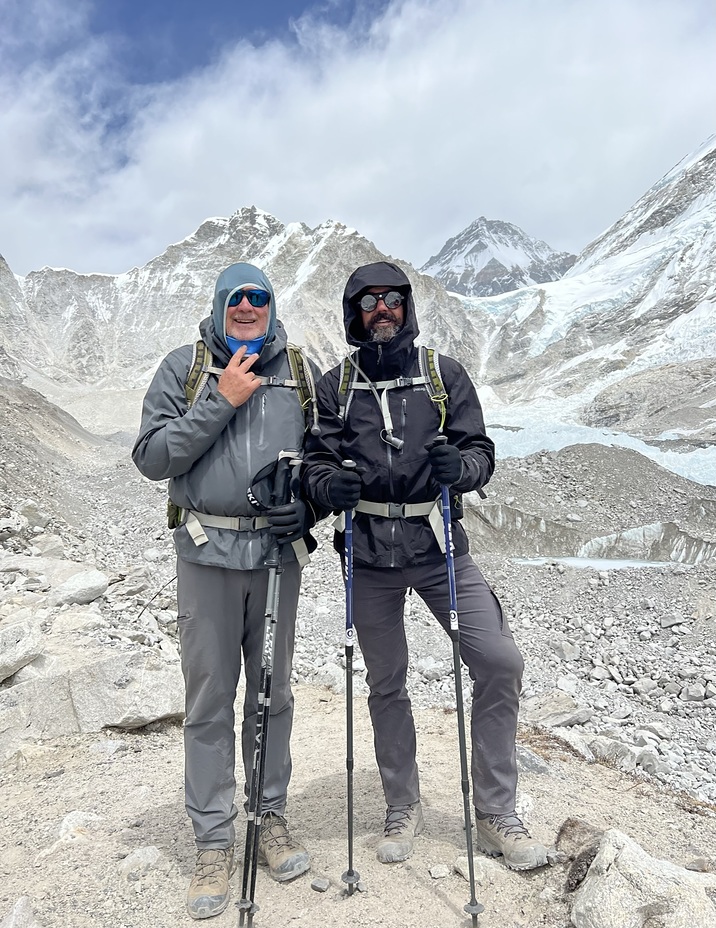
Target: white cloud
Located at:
point(553, 115)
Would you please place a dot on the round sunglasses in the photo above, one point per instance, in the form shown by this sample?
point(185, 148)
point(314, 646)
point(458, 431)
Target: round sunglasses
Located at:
point(256, 298)
point(391, 298)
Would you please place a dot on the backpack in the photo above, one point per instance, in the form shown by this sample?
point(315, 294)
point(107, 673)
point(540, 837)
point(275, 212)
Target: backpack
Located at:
point(302, 380)
point(430, 377)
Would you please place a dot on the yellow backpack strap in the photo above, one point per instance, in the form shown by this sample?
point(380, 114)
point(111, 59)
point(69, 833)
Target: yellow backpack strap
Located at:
point(430, 369)
point(305, 386)
point(201, 361)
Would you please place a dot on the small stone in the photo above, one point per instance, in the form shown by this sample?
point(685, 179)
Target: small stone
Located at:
point(321, 884)
point(701, 865)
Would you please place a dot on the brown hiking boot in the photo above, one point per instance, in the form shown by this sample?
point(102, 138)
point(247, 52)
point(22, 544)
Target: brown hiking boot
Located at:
point(209, 888)
point(285, 857)
point(506, 836)
point(402, 823)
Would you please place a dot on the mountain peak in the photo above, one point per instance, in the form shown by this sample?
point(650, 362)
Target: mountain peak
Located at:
point(491, 256)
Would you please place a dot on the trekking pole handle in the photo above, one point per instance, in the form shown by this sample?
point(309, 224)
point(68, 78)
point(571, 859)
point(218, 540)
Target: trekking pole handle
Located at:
point(348, 465)
point(282, 483)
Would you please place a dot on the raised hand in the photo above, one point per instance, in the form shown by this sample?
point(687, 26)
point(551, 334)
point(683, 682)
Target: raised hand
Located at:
point(237, 382)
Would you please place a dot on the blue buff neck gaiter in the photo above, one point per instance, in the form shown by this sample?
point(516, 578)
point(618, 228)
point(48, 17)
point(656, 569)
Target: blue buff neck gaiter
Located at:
point(252, 347)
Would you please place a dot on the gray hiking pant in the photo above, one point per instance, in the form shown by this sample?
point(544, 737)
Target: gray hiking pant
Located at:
point(221, 617)
point(486, 648)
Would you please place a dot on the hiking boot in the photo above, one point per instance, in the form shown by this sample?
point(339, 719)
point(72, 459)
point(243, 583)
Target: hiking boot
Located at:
point(209, 888)
point(402, 823)
point(285, 857)
point(506, 836)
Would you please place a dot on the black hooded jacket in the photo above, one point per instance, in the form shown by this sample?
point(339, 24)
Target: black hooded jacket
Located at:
point(390, 475)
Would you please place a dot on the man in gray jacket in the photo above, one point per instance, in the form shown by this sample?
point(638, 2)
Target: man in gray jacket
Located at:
point(211, 449)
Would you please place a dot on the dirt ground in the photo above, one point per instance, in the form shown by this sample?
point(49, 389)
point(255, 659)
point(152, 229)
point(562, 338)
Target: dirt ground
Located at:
point(75, 810)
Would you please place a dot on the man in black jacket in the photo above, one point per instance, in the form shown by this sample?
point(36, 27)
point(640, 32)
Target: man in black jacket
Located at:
point(387, 423)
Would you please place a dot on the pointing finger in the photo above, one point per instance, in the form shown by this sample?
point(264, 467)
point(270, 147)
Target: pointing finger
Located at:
point(246, 362)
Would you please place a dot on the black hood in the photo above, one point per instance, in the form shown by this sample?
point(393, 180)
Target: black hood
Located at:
point(380, 274)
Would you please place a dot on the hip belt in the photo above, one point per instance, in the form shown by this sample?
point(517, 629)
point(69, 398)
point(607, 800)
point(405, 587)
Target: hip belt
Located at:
point(432, 510)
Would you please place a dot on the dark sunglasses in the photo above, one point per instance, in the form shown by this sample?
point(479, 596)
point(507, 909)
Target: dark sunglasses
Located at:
point(391, 298)
point(255, 297)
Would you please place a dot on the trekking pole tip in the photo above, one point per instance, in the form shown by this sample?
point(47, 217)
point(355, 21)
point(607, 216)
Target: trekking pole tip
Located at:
point(351, 878)
point(473, 908)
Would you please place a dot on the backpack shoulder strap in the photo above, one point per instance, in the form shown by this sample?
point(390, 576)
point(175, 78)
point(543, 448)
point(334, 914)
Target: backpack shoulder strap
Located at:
point(305, 385)
point(430, 369)
point(345, 385)
point(201, 360)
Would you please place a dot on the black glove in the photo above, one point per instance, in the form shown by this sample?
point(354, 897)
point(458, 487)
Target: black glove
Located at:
point(288, 523)
point(344, 489)
point(446, 463)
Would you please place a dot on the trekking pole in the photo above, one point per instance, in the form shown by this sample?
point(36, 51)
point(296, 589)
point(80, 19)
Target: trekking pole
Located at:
point(473, 907)
point(351, 876)
point(247, 906)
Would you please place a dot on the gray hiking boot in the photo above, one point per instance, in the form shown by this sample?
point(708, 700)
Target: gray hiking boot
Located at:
point(506, 836)
point(285, 857)
point(209, 888)
point(402, 823)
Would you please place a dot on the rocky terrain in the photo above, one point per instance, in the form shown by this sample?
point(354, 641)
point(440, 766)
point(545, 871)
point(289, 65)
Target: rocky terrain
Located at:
point(617, 743)
point(604, 561)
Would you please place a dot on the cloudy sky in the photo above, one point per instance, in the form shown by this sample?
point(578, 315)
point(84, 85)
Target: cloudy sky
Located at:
point(125, 123)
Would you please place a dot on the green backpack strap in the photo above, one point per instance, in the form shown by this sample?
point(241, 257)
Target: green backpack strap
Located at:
point(305, 386)
point(348, 373)
point(201, 360)
point(430, 369)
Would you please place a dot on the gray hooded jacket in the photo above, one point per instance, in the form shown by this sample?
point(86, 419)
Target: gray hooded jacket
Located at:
point(211, 452)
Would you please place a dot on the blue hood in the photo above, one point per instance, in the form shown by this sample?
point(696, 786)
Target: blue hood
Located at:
point(231, 279)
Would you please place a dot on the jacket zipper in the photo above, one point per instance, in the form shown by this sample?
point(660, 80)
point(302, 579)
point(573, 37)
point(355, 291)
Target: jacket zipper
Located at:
point(249, 465)
point(390, 478)
point(263, 419)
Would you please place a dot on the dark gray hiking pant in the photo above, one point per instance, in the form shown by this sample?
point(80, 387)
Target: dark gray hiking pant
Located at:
point(221, 616)
point(486, 648)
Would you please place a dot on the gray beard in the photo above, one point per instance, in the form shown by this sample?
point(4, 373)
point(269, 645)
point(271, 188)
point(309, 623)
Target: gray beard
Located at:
point(384, 333)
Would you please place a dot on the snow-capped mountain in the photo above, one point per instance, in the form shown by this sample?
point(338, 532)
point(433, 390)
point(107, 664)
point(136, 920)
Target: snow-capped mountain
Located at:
point(625, 340)
point(491, 257)
point(628, 336)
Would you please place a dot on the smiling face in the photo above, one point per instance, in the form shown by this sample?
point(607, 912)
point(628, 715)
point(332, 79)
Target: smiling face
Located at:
point(383, 323)
point(246, 322)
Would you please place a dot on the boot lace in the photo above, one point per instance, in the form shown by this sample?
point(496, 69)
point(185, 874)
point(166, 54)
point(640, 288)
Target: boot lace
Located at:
point(511, 824)
point(209, 865)
point(397, 820)
point(274, 832)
